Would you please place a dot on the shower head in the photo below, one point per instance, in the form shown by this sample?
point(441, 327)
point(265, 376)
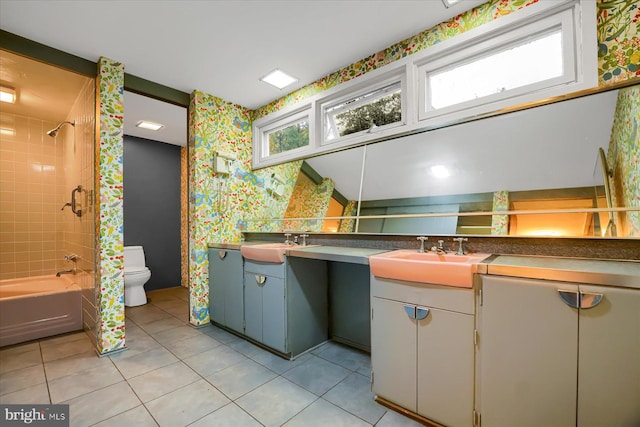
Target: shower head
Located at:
point(53, 132)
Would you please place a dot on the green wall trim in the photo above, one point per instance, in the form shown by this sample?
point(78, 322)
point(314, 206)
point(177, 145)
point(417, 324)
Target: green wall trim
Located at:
point(157, 91)
point(38, 51)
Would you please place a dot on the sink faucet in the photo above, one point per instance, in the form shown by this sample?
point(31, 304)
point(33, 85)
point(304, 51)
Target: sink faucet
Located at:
point(304, 239)
point(460, 241)
point(440, 250)
point(288, 241)
point(422, 240)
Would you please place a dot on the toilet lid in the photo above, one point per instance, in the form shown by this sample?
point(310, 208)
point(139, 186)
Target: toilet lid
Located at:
point(137, 270)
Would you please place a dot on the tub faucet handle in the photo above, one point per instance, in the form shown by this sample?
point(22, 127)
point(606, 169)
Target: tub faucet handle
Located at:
point(286, 238)
point(71, 258)
point(304, 236)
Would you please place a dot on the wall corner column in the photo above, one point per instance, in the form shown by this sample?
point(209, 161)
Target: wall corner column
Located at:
point(110, 328)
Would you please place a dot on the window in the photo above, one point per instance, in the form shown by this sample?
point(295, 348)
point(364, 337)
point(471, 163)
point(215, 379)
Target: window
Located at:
point(506, 63)
point(289, 137)
point(364, 112)
point(526, 63)
point(283, 137)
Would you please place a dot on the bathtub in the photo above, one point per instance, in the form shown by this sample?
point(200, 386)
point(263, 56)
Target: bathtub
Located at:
point(37, 307)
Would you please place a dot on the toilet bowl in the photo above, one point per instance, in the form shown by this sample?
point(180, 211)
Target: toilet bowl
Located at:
point(136, 274)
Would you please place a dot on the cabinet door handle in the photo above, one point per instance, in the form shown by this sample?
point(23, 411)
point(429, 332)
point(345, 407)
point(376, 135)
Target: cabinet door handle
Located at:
point(421, 312)
point(222, 254)
point(571, 298)
point(410, 310)
point(589, 300)
point(260, 279)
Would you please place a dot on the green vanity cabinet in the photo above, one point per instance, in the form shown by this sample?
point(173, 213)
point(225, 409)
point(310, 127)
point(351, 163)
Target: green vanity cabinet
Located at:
point(558, 353)
point(422, 349)
point(286, 304)
point(226, 297)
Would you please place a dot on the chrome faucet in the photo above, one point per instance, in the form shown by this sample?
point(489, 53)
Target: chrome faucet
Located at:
point(440, 250)
point(69, 258)
point(304, 239)
point(460, 241)
point(422, 240)
point(60, 273)
point(288, 241)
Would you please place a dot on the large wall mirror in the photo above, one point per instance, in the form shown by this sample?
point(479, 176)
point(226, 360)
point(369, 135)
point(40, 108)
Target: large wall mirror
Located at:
point(561, 169)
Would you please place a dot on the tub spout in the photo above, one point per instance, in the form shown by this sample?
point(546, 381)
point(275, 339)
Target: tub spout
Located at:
point(60, 273)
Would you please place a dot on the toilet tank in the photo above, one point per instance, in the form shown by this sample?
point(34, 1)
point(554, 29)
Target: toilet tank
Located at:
point(133, 257)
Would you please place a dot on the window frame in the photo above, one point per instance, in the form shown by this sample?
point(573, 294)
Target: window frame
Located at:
point(372, 86)
point(261, 131)
point(503, 36)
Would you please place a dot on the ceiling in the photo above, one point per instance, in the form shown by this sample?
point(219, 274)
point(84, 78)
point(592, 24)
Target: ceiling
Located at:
point(220, 47)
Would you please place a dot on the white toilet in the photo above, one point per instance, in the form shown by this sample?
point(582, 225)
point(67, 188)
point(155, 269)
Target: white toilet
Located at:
point(136, 274)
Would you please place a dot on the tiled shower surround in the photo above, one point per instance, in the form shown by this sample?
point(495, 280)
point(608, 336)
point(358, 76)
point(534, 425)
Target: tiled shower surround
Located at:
point(31, 194)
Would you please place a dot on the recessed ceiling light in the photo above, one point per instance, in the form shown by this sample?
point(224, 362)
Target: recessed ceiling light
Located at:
point(7, 94)
point(279, 79)
point(449, 3)
point(440, 171)
point(144, 124)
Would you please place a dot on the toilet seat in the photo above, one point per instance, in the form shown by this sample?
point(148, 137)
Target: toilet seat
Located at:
point(135, 271)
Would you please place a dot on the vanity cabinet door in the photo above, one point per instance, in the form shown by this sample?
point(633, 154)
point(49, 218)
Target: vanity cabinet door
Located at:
point(609, 358)
point(528, 347)
point(393, 352)
point(273, 314)
point(253, 306)
point(226, 296)
point(446, 367)
point(264, 299)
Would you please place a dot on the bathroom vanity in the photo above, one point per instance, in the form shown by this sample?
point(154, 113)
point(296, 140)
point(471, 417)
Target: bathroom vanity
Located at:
point(528, 341)
point(562, 333)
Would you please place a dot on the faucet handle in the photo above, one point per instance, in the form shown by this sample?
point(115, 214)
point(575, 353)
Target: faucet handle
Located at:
point(460, 241)
point(440, 245)
point(304, 239)
point(286, 238)
point(421, 239)
point(71, 258)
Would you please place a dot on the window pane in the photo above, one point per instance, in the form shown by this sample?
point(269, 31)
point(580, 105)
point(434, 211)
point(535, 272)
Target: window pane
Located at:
point(289, 138)
point(530, 62)
point(380, 107)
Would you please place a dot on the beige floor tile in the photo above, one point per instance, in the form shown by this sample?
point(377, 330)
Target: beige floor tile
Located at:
point(163, 380)
point(102, 404)
point(186, 404)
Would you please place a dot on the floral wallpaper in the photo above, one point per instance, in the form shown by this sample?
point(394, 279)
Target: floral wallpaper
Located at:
point(500, 223)
point(109, 216)
point(618, 40)
point(308, 200)
point(348, 225)
point(222, 206)
point(624, 158)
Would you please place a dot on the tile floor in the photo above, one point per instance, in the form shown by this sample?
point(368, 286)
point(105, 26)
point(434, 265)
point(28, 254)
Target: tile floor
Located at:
point(175, 375)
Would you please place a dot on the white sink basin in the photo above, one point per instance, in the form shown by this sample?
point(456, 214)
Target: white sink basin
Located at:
point(428, 267)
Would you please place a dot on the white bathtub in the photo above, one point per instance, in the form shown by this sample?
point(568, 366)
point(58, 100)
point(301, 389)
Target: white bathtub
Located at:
point(38, 307)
